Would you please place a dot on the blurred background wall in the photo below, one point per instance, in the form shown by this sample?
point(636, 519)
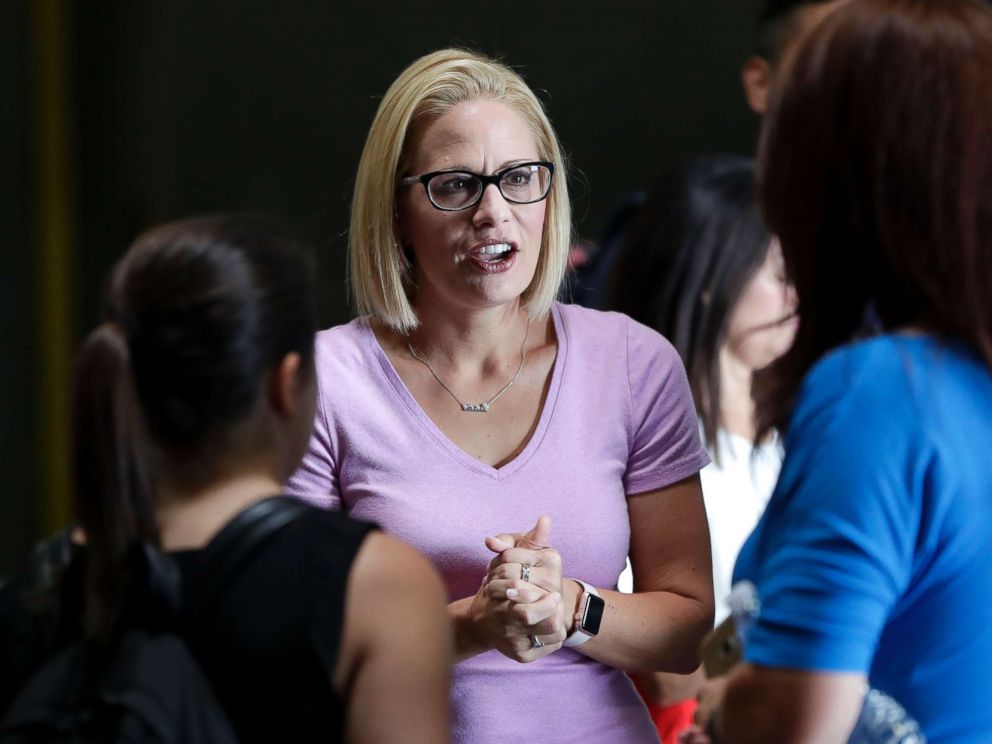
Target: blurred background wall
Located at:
point(118, 114)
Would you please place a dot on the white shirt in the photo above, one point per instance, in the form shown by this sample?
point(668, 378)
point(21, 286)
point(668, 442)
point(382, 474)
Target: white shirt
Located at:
point(735, 492)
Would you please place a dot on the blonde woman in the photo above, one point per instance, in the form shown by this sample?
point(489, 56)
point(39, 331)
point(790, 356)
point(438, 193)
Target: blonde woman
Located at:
point(466, 405)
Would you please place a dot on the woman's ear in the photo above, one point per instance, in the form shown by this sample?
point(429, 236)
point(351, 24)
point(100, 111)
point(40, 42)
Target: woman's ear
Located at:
point(756, 76)
point(287, 386)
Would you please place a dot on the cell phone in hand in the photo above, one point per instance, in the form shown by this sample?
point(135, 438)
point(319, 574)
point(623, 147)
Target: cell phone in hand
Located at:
point(721, 649)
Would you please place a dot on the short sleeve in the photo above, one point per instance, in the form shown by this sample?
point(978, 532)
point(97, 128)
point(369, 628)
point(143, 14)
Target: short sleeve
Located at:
point(663, 431)
point(316, 479)
point(834, 552)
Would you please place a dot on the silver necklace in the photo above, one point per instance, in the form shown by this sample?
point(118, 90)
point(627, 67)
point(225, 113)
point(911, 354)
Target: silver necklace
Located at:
point(476, 407)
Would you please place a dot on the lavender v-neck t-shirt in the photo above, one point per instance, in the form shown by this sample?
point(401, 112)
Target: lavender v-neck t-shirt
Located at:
point(618, 420)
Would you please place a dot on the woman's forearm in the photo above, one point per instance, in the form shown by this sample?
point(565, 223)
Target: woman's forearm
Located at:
point(664, 689)
point(659, 628)
point(650, 632)
point(766, 704)
point(467, 641)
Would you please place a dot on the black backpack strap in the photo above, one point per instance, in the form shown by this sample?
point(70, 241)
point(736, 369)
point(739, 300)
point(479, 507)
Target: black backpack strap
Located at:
point(231, 548)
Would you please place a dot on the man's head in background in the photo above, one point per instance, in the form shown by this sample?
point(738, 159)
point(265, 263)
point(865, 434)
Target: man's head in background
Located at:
point(780, 25)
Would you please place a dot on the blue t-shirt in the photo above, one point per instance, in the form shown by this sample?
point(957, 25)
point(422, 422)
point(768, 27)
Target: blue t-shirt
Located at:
point(875, 552)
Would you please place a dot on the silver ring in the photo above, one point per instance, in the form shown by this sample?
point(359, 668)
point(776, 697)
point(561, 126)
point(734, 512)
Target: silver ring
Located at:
point(536, 642)
point(525, 574)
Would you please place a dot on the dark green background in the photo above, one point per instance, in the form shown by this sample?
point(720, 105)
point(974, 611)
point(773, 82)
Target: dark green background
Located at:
point(187, 106)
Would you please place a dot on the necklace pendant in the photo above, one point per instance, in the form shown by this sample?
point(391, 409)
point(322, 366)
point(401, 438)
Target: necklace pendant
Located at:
point(475, 407)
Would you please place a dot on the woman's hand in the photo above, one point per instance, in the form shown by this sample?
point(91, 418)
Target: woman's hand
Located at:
point(704, 730)
point(507, 615)
point(510, 627)
point(516, 567)
point(710, 698)
point(695, 735)
point(525, 570)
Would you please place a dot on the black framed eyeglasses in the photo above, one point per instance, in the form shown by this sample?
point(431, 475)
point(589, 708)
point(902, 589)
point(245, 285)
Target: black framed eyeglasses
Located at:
point(455, 190)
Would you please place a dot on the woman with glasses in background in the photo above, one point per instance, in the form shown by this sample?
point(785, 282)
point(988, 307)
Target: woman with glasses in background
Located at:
point(522, 444)
point(698, 265)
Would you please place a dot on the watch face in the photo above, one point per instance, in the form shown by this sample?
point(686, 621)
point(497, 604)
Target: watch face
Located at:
point(592, 616)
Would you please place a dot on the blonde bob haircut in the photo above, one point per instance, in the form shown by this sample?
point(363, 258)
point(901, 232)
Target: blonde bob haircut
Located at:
point(381, 275)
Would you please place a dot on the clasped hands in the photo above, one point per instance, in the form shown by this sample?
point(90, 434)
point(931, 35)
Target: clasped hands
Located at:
point(525, 620)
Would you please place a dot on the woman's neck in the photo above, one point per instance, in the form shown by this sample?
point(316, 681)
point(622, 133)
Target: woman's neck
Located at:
point(188, 517)
point(481, 340)
point(736, 403)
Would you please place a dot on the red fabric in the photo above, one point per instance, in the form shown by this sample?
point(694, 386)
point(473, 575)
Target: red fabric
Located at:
point(672, 720)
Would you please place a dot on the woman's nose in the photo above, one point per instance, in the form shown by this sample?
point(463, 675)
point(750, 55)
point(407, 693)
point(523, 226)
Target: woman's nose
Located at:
point(791, 298)
point(492, 207)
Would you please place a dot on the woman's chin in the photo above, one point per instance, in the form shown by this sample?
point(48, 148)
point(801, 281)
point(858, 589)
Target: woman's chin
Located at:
point(491, 290)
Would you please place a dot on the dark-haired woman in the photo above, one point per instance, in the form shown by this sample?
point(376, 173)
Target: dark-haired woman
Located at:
point(201, 388)
point(872, 561)
point(698, 265)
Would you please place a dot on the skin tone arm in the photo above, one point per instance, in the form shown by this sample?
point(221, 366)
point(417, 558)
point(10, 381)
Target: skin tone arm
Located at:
point(396, 650)
point(770, 705)
point(665, 689)
point(660, 627)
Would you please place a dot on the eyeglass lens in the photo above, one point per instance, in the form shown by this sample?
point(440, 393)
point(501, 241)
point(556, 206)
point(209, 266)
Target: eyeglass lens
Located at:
point(528, 183)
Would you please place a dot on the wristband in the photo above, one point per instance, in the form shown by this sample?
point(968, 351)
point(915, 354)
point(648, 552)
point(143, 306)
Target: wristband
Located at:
point(589, 618)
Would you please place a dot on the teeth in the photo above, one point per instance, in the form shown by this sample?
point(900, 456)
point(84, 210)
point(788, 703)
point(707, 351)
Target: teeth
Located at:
point(497, 248)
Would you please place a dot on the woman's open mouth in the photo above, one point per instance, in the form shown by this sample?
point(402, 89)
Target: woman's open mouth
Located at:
point(493, 258)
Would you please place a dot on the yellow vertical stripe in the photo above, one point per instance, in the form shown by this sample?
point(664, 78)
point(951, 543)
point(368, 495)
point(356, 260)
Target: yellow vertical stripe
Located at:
point(54, 257)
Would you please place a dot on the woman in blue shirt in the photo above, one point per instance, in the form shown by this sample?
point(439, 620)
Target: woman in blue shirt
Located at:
point(872, 561)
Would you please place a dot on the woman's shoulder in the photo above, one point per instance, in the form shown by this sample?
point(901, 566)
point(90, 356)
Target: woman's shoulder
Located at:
point(313, 541)
point(604, 329)
point(344, 339)
point(911, 391)
point(898, 371)
point(851, 378)
point(343, 355)
point(594, 321)
point(331, 530)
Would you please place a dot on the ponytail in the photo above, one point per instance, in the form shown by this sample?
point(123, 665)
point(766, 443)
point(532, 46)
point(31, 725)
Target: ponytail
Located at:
point(201, 310)
point(112, 494)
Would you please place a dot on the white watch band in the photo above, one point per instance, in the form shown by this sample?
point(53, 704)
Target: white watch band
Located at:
point(579, 636)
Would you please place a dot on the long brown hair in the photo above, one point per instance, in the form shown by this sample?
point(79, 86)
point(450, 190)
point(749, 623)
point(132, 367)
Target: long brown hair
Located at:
point(875, 171)
point(684, 263)
point(198, 312)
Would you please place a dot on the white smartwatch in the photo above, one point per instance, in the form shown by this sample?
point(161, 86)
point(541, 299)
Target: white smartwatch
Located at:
point(590, 616)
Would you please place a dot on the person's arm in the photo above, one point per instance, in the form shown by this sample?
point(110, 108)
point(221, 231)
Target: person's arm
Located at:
point(769, 705)
point(664, 689)
point(468, 642)
point(661, 625)
point(394, 668)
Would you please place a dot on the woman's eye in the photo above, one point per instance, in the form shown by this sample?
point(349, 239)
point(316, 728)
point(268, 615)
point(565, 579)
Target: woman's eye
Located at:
point(517, 182)
point(517, 178)
point(453, 184)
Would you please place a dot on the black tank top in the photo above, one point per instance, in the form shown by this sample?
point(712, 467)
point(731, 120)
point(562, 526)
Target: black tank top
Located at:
point(270, 643)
